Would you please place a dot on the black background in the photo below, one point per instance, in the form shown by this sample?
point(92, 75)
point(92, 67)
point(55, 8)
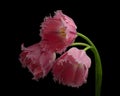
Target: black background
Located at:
point(93, 19)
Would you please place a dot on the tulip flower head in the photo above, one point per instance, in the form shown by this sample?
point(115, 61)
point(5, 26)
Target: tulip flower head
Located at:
point(72, 67)
point(37, 60)
point(59, 31)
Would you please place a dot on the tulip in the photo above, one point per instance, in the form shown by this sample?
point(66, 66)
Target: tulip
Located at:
point(72, 67)
point(38, 59)
point(58, 31)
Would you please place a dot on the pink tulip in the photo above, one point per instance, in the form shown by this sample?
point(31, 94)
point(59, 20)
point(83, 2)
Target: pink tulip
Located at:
point(58, 31)
point(72, 68)
point(38, 59)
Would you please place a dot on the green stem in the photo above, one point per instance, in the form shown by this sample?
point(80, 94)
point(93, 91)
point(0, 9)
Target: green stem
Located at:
point(89, 47)
point(80, 44)
point(98, 67)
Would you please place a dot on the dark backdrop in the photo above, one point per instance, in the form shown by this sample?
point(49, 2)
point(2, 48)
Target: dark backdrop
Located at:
point(93, 20)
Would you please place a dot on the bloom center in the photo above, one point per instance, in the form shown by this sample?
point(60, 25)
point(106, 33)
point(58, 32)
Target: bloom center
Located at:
point(62, 32)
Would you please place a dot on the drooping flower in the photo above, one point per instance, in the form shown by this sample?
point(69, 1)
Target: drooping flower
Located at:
point(38, 59)
point(72, 68)
point(59, 31)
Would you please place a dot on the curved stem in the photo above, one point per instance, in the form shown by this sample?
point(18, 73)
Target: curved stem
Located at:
point(86, 38)
point(89, 47)
point(80, 44)
point(98, 67)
